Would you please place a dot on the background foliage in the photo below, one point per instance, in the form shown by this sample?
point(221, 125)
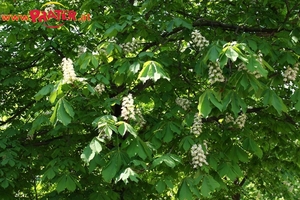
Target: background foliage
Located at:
point(55, 135)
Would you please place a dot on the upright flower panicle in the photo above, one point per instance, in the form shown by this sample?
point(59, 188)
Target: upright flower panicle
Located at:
point(100, 88)
point(240, 120)
point(184, 103)
point(228, 118)
point(197, 125)
point(215, 73)
point(68, 70)
point(290, 74)
point(199, 157)
point(199, 41)
point(128, 111)
point(256, 73)
point(130, 47)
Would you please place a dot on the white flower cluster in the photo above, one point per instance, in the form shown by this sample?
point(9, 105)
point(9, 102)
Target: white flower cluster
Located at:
point(215, 73)
point(290, 74)
point(200, 41)
point(183, 103)
point(49, 7)
point(197, 125)
point(228, 118)
point(128, 111)
point(240, 120)
point(130, 47)
point(100, 88)
point(81, 50)
point(68, 70)
point(255, 73)
point(199, 157)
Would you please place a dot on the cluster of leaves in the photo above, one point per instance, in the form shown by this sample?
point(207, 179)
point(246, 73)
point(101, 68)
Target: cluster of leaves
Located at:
point(66, 141)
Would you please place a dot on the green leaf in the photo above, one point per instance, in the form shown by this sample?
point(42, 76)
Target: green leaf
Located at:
point(112, 167)
point(252, 44)
point(231, 53)
point(95, 145)
point(252, 146)
point(184, 192)
point(226, 169)
point(271, 98)
point(94, 61)
point(236, 154)
point(187, 143)
point(50, 174)
point(44, 91)
point(68, 108)
point(204, 104)
point(128, 173)
point(152, 70)
point(61, 184)
point(5, 183)
point(124, 127)
point(135, 67)
point(160, 186)
point(62, 115)
point(213, 99)
point(213, 53)
point(169, 160)
point(70, 184)
point(56, 92)
point(209, 184)
point(88, 154)
point(168, 134)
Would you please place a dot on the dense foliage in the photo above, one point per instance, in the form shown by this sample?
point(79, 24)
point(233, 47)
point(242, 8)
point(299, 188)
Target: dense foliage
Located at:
point(151, 100)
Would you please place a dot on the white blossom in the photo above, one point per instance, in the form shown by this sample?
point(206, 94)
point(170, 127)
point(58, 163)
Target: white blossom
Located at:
point(197, 125)
point(68, 71)
point(199, 41)
point(49, 7)
point(243, 67)
point(198, 156)
point(228, 118)
point(130, 47)
point(215, 73)
point(128, 111)
point(290, 74)
point(100, 88)
point(184, 103)
point(241, 120)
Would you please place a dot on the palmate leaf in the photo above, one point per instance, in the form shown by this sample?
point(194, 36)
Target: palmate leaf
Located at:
point(250, 145)
point(128, 173)
point(271, 98)
point(152, 70)
point(209, 184)
point(205, 100)
point(184, 192)
point(112, 167)
point(66, 182)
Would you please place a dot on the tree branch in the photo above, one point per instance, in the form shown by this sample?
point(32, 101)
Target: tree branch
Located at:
point(17, 113)
point(231, 27)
